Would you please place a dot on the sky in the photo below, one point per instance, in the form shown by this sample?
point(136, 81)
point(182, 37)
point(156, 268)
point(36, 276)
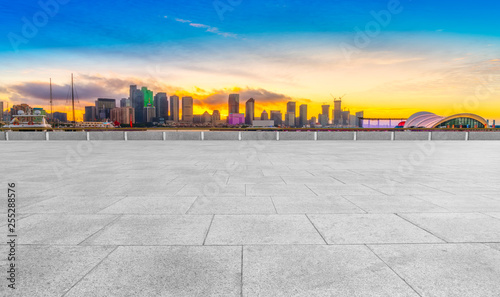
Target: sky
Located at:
point(389, 58)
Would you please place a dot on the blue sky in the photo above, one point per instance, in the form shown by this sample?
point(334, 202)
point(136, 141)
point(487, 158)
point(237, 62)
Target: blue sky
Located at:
point(292, 49)
point(101, 23)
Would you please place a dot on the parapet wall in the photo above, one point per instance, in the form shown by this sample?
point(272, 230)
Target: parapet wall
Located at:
point(249, 135)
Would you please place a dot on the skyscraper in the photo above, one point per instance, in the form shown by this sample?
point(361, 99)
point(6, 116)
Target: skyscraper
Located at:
point(206, 117)
point(215, 117)
point(276, 117)
point(90, 114)
point(123, 115)
point(290, 119)
point(174, 108)
point(249, 111)
point(325, 111)
point(303, 115)
point(137, 104)
point(149, 113)
point(264, 116)
point(234, 103)
point(161, 105)
point(125, 102)
point(337, 112)
point(291, 107)
point(133, 88)
point(187, 109)
point(103, 108)
point(1, 111)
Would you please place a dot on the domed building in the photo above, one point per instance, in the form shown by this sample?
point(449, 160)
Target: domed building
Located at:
point(426, 119)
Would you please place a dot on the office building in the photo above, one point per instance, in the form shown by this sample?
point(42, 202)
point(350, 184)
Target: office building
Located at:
point(264, 116)
point(187, 109)
point(148, 96)
point(290, 107)
point(303, 115)
point(323, 120)
point(137, 102)
point(133, 88)
point(249, 111)
point(359, 115)
point(216, 115)
point(345, 118)
point(125, 102)
point(312, 121)
point(123, 115)
point(276, 117)
point(236, 119)
point(234, 103)
point(90, 114)
point(337, 112)
point(149, 114)
point(103, 108)
point(325, 110)
point(161, 105)
point(174, 108)
point(290, 119)
point(206, 118)
point(1, 111)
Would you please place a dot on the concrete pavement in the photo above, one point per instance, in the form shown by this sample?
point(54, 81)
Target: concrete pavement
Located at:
point(253, 218)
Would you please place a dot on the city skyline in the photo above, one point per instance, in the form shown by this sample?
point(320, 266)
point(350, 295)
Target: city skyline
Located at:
point(441, 57)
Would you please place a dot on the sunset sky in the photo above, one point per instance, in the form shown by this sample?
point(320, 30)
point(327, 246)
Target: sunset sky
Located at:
point(390, 58)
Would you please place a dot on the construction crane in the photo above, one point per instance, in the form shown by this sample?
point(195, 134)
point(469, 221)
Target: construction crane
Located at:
point(339, 98)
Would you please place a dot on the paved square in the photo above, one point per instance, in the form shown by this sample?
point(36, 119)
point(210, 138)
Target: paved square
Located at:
point(268, 218)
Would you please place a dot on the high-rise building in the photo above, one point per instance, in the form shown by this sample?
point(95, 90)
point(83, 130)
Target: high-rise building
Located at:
point(174, 108)
point(206, 118)
point(345, 118)
point(149, 113)
point(312, 121)
point(249, 111)
point(291, 107)
point(323, 119)
point(161, 105)
point(236, 119)
point(276, 117)
point(148, 96)
point(303, 115)
point(215, 116)
point(1, 111)
point(234, 103)
point(359, 116)
point(123, 115)
point(103, 108)
point(290, 119)
point(325, 110)
point(133, 88)
point(337, 112)
point(90, 114)
point(264, 116)
point(187, 109)
point(138, 104)
point(125, 102)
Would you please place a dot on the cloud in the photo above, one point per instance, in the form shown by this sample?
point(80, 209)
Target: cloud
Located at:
point(208, 28)
point(91, 87)
point(182, 21)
